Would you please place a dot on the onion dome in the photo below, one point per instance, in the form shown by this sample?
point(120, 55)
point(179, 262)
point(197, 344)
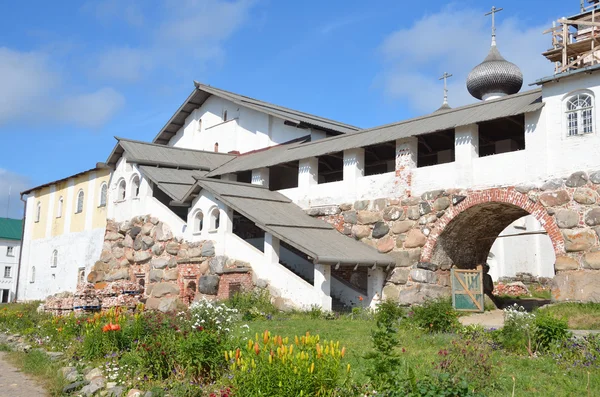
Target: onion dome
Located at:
point(494, 77)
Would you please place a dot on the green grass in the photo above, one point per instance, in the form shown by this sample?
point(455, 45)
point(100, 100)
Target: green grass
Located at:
point(579, 315)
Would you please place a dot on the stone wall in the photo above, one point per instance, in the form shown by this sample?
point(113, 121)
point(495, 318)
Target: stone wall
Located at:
point(427, 235)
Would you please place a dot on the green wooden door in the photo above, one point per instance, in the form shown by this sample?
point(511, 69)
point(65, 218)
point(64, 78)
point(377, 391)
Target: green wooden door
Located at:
point(467, 289)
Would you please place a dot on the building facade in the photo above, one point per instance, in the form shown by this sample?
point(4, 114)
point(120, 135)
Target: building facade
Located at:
point(10, 250)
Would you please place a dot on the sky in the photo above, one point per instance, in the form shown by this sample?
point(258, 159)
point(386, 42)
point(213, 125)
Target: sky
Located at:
point(74, 74)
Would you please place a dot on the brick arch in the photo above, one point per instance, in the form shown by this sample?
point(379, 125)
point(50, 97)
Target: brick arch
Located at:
point(466, 232)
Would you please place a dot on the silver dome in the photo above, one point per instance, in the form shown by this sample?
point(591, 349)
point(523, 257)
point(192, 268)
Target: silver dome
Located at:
point(494, 75)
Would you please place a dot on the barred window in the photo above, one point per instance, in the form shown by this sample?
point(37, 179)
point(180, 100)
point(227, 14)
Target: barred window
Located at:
point(580, 118)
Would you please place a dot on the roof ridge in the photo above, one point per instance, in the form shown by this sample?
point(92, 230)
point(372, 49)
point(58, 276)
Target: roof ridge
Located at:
point(224, 181)
point(171, 147)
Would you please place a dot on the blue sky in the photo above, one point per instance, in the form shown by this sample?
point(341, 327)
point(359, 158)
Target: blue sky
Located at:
point(74, 74)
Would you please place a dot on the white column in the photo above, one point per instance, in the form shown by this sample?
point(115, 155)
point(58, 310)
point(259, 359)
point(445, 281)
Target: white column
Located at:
point(91, 203)
point(226, 220)
point(354, 168)
point(466, 148)
point(68, 208)
point(322, 284)
point(308, 173)
point(271, 249)
point(50, 212)
point(260, 176)
point(375, 281)
point(406, 160)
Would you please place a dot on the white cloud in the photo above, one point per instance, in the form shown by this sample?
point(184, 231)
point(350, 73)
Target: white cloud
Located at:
point(454, 41)
point(126, 63)
point(30, 83)
point(12, 183)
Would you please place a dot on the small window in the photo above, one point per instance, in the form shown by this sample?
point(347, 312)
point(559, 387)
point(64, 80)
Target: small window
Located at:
point(198, 222)
point(215, 220)
point(121, 190)
point(38, 212)
point(59, 208)
point(81, 275)
point(199, 125)
point(7, 270)
point(103, 194)
point(32, 276)
point(10, 251)
point(54, 259)
point(580, 119)
point(80, 197)
point(135, 186)
point(224, 115)
point(216, 147)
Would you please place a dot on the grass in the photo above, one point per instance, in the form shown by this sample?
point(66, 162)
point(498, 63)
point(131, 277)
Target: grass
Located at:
point(579, 315)
point(39, 365)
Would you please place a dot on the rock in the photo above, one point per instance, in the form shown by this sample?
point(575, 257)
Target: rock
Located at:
point(578, 239)
point(361, 205)
point(157, 249)
point(72, 376)
point(118, 274)
point(95, 276)
point(171, 274)
point(591, 260)
point(128, 242)
point(400, 227)
point(554, 199)
point(379, 204)
point(432, 267)
point(347, 230)
point(414, 239)
point(524, 189)
point(106, 256)
point(419, 293)
point(163, 232)
point(94, 373)
point(172, 262)
point(423, 276)
point(584, 195)
point(432, 195)
point(55, 356)
point(161, 289)
point(116, 391)
point(345, 207)
point(386, 244)
point(159, 263)
point(566, 219)
point(137, 243)
point(172, 248)
point(95, 385)
point(441, 203)
point(565, 263)
point(406, 258)
point(457, 199)
point(125, 226)
point(72, 387)
point(577, 179)
point(597, 230)
point(423, 221)
point(217, 264)
point(350, 217)
point(118, 252)
point(133, 233)
point(411, 201)
point(392, 213)
point(399, 275)
point(424, 208)
point(147, 228)
point(361, 231)
point(413, 213)
point(111, 236)
point(208, 285)
point(156, 275)
point(147, 242)
point(208, 249)
point(195, 252)
point(592, 217)
point(129, 254)
point(134, 393)
point(553, 184)
point(368, 217)
point(595, 177)
point(323, 211)
point(576, 286)
point(64, 371)
point(380, 229)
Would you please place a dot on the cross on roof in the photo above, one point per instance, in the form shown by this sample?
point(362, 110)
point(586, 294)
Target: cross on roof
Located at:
point(493, 14)
point(445, 77)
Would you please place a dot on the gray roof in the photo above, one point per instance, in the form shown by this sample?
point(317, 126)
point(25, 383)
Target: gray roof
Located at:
point(174, 182)
point(558, 76)
point(438, 121)
point(167, 156)
point(202, 92)
point(276, 214)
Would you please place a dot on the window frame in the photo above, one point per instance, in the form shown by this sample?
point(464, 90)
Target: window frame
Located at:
point(135, 188)
point(9, 270)
point(54, 259)
point(59, 208)
point(121, 193)
point(214, 219)
point(579, 118)
point(10, 251)
point(79, 205)
point(198, 222)
point(32, 275)
point(103, 195)
point(38, 212)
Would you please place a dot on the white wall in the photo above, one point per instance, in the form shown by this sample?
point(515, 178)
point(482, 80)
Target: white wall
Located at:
point(10, 261)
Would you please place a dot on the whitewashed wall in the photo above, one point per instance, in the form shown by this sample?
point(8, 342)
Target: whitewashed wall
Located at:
point(11, 261)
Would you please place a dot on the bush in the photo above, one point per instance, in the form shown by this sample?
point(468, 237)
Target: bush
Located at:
point(436, 315)
point(517, 333)
point(549, 331)
point(578, 353)
point(200, 356)
point(212, 316)
point(252, 304)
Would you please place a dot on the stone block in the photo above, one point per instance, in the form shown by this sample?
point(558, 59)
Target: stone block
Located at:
point(165, 305)
point(134, 232)
point(400, 227)
point(432, 195)
point(525, 188)
point(584, 195)
point(157, 249)
point(406, 258)
point(162, 289)
point(379, 204)
point(368, 217)
point(111, 236)
point(393, 213)
point(380, 229)
point(106, 256)
point(413, 213)
point(424, 208)
point(171, 274)
point(345, 207)
point(441, 203)
point(411, 201)
point(399, 275)
point(578, 239)
point(195, 252)
point(350, 217)
point(172, 248)
point(172, 262)
point(591, 260)
point(118, 274)
point(163, 232)
point(595, 177)
point(419, 293)
point(565, 263)
point(208, 249)
point(128, 241)
point(386, 244)
point(457, 199)
point(209, 285)
point(95, 276)
point(147, 242)
point(156, 275)
point(414, 239)
point(592, 217)
point(555, 199)
point(129, 254)
point(566, 219)
point(423, 276)
point(147, 228)
point(427, 266)
point(217, 264)
point(137, 243)
point(576, 286)
point(577, 179)
point(361, 205)
point(324, 210)
point(142, 257)
point(553, 184)
point(361, 231)
point(118, 252)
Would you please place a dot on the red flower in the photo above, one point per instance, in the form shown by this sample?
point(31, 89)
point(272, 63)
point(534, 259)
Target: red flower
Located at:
point(360, 298)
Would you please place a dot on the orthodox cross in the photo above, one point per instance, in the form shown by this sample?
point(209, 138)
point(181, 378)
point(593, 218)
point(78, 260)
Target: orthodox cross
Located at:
point(445, 77)
point(493, 14)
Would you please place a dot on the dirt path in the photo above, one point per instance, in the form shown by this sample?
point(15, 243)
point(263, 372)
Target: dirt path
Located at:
point(14, 383)
point(491, 319)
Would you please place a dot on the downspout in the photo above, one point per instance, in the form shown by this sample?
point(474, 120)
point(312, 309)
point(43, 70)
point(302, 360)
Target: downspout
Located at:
point(21, 247)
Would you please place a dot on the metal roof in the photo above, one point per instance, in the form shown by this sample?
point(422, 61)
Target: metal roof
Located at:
point(556, 77)
point(511, 105)
point(99, 166)
point(167, 156)
point(11, 229)
point(276, 214)
point(174, 182)
point(202, 92)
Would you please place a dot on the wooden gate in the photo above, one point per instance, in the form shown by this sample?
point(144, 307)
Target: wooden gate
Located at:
point(467, 289)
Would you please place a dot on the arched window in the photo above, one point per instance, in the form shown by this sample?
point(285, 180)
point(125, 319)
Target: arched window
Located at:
point(122, 189)
point(135, 186)
point(199, 125)
point(224, 115)
point(215, 216)
point(54, 259)
point(59, 209)
point(32, 279)
point(103, 194)
point(580, 110)
point(198, 222)
point(216, 147)
point(38, 211)
point(80, 196)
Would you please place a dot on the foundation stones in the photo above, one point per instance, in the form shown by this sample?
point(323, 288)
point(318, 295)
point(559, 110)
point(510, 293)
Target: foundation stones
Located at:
point(432, 195)
point(399, 275)
point(163, 232)
point(134, 232)
point(441, 203)
point(413, 213)
point(591, 260)
point(576, 286)
point(350, 217)
point(208, 249)
point(361, 205)
point(414, 239)
point(157, 249)
point(380, 229)
point(171, 274)
point(128, 242)
point(217, 264)
point(392, 213)
point(578, 239)
point(595, 177)
point(566, 219)
point(147, 242)
point(345, 207)
point(142, 257)
point(524, 189)
point(592, 217)
point(209, 285)
point(457, 199)
point(424, 208)
point(137, 243)
point(577, 179)
point(553, 184)
point(368, 217)
point(555, 199)
point(324, 211)
point(565, 263)
point(161, 289)
point(410, 201)
point(156, 275)
point(585, 196)
point(400, 227)
point(172, 248)
point(423, 276)
point(386, 244)
point(360, 231)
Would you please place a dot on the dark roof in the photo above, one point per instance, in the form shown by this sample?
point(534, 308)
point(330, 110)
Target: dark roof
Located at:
point(99, 166)
point(278, 215)
point(202, 92)
point(11, 229)
point(511, 105)
point(174, 182)
point(167, 156)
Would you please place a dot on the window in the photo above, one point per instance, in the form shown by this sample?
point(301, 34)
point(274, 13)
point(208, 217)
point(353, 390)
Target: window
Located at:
point(79, 202)
point(224, 115)
point(580, 118)
point(7, 271)
point(103, 194)
point(200, 125)
point(10, 251)
point(216, 147)
point(215, 216)
point(32, 277)
point(59, 208)
point(135, 186)
point(121, 190)
point(38, 212)
point(81, 275)
point(54, 259)
point(198, 222)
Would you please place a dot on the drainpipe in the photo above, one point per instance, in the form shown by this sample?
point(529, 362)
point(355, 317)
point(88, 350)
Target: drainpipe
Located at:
point(21, 247)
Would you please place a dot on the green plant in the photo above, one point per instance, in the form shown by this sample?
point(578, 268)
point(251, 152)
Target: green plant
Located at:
point(518, 331)
point(549, 331)
point(212, 316)
point(315, 312)
point(158, 353)
point(200, 355)
point(435, 315)
point(442, 385)
point(252, 304)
